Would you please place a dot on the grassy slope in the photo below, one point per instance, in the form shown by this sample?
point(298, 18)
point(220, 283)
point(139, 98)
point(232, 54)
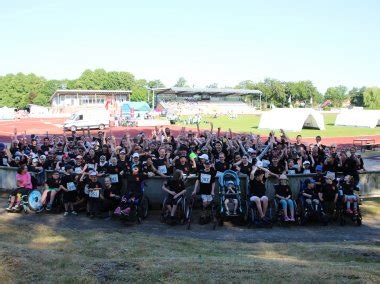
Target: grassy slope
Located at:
point(42, 253)
point(249, 123)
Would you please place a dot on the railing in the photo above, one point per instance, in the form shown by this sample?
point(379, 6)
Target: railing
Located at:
point(369, 184)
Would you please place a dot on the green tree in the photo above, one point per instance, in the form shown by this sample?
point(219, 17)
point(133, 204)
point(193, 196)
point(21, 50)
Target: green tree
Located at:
point(337, 95)
point(181, 82)
point(356, 96)
point(156, 84)
point(371, 97)
point(302, 91)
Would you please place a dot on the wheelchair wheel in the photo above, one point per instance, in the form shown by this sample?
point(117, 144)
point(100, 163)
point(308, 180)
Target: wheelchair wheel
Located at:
point(144, 208)
point(33, 201)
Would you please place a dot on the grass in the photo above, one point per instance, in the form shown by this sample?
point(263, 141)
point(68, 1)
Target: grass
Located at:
point(250, 123)
point(46, 253)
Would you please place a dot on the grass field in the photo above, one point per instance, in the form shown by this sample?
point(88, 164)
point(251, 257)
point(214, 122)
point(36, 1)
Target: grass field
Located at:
point(250, 123)
point(48, 253)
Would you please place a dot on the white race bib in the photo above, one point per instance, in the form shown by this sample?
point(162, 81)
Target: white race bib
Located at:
point(162, 169)
point(86, 189)
point(71, 186)
point(91, 166)
point(291, 172)
point(78, 170)
point(306, 172)
point(5, 161)
point(114, 178)
point(93, 194)
point(331, 174)
point(205, 178)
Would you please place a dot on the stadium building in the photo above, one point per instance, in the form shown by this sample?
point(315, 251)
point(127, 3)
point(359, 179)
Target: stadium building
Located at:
point(192, 101)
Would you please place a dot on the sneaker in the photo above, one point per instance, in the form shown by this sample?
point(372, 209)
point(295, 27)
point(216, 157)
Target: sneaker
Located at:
point(349, 211)
point(9, 209)
point(48, 208)
point(16, 208)
point(40, 209)
point(292, 219)
point(286, 219)
point(235, 213)
point(66, 213)
point(228, 213)
point(74, 213)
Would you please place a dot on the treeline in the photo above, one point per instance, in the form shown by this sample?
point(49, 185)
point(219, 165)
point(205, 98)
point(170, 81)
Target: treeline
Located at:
point(19, 90)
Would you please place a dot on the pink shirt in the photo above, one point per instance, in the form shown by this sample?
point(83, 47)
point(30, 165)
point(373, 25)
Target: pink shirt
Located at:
point(24, 180)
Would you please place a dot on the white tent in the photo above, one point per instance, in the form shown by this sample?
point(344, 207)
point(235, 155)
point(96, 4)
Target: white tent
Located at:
point(292, 119)
point(358, 117)
point(7, 113)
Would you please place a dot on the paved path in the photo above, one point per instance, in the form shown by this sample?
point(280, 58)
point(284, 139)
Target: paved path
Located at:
point(369, 231)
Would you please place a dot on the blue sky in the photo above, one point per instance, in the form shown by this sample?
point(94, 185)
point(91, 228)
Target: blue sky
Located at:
point(328, 42)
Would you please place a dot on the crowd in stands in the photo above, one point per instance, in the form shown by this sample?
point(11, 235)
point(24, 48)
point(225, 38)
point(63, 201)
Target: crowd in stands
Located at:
point(77, 162)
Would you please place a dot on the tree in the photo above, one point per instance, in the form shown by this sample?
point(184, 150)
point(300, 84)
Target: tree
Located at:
point(181, 82)
point(356, 96)
point(156, 84)
point(336, 95)
point(371, 97)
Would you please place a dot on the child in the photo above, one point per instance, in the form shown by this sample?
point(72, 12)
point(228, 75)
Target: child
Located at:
point(348, 188)
point(284, 194)
point(230, 198)
point(68, 185)
point(310, 195)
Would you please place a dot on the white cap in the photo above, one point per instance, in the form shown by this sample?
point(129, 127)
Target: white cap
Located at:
point(306, 163)
point(203, 156)
point(35, 160)
point(43, 157)
point(93, 173)
point(135, 155)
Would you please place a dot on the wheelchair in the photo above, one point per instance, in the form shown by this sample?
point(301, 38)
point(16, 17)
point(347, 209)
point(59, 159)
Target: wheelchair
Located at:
point(278, 214)
point(210, 216)
point(181, 214)
point(28, 202)
point(343, 216)
point(253, 218)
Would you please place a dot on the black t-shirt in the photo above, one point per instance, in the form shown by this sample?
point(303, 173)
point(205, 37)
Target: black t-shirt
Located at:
point(350, 166)
point(329, 191)
point(279, 169)
point(221, 167)
point(186, 168)
point(206, 179)
point(283, 190)
point(257, 188)
point(246, 170)
point(67, 179)
point(113, 189)
point(53, 183)
point(175, 185)
point(348, 189)
point(3, 159)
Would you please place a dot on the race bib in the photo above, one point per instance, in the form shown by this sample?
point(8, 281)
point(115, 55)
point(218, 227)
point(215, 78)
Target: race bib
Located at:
point(114, 178)
point(78, 170)
point(162, 169)
point(291, 172)
point(71, 186)
point(205, 178)
point(86, 189)
point(91, 166)
point(5, 161)
point(218, 174)
point(330, 174)
point(93, 193)
point(306, 172)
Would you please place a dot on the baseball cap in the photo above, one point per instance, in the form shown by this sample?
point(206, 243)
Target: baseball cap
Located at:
point(306, 163)
point(93, 173)
point(319, 168)
point(2, 146)
point(204, 156)
point(135, 155)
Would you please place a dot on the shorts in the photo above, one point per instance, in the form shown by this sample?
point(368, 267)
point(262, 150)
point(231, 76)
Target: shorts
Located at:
point(206, 197)
point(170, 200)
point(53, 189)
point(69, 196)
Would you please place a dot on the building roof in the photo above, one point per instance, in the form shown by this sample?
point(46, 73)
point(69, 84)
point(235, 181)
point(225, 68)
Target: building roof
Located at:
point(185, 91)
point(90, 92)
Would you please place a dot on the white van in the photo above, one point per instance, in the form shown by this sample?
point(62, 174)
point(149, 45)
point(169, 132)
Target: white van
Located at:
point(94, 119)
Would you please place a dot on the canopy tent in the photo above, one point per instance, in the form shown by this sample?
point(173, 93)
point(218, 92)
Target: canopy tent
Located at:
point(7, 113)
point(135, 109)
point(291, 119)
point(358, 117)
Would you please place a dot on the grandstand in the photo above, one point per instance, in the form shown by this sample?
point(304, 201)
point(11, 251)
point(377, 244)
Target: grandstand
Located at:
point(207, 101)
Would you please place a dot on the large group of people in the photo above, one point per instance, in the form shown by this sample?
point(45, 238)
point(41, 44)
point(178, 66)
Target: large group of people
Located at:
point(75, 164)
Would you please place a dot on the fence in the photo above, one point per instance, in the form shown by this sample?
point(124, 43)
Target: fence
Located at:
point(369, 184)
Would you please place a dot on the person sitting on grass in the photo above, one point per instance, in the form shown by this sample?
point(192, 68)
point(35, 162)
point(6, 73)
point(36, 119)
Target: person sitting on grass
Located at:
point(349, 196)
point(284, 194)
point(175, 188)
point(51, 185)
point(24, 186)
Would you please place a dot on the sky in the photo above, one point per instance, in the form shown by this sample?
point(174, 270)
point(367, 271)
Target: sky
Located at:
point(328, 42)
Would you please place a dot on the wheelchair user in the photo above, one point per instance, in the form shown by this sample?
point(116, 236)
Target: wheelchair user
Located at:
point(328, 195)
point(175, 188)
point(284, 194)
point(24, 186)
point(349, 197)
point(52, 185)
point(310, 195)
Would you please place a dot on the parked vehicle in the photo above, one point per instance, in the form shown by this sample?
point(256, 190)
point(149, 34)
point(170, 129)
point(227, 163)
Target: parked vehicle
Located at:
point(94, 119)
